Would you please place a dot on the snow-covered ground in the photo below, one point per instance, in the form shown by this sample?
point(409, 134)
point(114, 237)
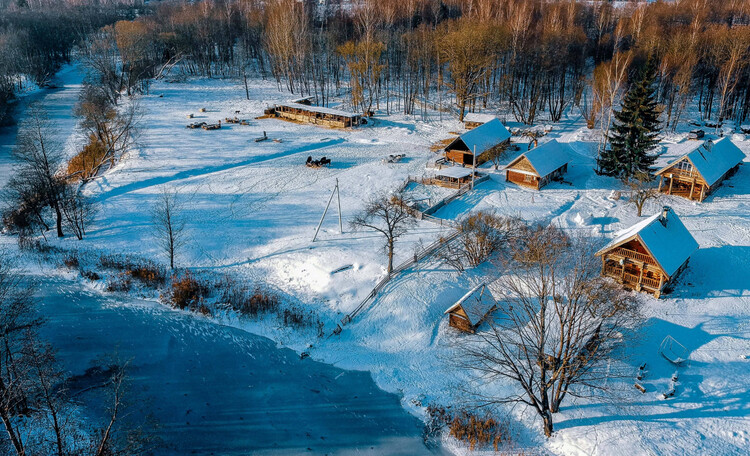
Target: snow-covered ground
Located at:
point(252, 211)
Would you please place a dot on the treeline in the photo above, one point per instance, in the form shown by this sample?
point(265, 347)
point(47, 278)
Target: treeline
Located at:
point(36, 37)
point(529, 58)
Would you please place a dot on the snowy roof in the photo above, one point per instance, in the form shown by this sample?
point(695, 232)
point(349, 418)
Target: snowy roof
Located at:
point(320, 109)
point(711, 159)
point(456, 172)
point(670, 243)
point(478, 117)
point(484, 137)
point(476, 303)
point(545, 158)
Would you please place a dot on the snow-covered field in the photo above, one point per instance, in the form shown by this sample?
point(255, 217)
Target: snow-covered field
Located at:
point(252, 209)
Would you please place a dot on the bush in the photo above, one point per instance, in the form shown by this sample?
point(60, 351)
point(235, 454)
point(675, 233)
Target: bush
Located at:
point(122, 283)
point(71, 261)
point(85, 163)
point(149, 275)
point(468, 427)
point(187, 292)
point(249, 303)
point(91, 275)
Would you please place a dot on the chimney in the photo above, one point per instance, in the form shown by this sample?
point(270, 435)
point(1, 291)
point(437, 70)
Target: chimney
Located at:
point(664, 215)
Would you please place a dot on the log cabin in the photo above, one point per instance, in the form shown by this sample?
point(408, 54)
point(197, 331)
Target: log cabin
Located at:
point(473, 119)
point(650, 255)
point(693, 172)
point(302, 110)
point(539, 166)
point(472, 309)
point(482, 139)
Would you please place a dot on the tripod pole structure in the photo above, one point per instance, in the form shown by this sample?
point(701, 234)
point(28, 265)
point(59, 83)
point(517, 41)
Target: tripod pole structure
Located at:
point(338, 197)
point(324, 213)
point(473, 166)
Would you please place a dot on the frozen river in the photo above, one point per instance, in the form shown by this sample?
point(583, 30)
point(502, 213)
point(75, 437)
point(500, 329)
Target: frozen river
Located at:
point(218, 390)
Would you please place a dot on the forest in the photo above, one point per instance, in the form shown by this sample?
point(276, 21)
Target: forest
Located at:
point(531, 59)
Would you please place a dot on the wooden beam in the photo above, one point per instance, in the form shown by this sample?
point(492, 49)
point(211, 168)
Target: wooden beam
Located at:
point(671, 180)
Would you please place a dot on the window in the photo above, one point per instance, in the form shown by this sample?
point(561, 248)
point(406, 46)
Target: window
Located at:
point(684, 165)
point(528, 178)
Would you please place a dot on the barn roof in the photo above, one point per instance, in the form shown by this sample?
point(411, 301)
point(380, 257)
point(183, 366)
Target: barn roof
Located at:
point(712, 159)
point(320, 109)
point(476, 303)
point(484, 137)
point(664, 236)
point(456, 172)
point(545, 158)
point(478, 117)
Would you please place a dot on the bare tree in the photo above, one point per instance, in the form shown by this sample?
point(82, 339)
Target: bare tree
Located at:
point(40, 159)
point(169, 223)
point(558, 325)
point(641, 191)
point(78, 210)
point(481, 236)
point(390, 216)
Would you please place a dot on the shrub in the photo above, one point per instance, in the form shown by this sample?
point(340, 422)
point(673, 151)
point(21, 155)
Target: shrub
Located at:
point(85, 164)
point(71, 261)
point(467, 427)
point(187, 292)
point(149, 275)
point(122, 283)
point(91, 275)
point(249, 303)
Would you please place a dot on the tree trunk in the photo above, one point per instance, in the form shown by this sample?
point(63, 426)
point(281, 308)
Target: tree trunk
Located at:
point(58, 215)
point(17, 445)
point(390, 256)
point(548, 428)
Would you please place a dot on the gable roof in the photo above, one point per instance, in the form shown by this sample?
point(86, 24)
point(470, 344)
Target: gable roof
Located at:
point(484, 137)
point(476, 303)
point(670, 243)
point(712, 159)
point(320, 109)
point(478, 117)
point(456, 172)
point(545, 158)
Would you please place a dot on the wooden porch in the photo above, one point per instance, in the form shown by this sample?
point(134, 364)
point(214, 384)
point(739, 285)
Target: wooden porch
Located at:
point(635, 270)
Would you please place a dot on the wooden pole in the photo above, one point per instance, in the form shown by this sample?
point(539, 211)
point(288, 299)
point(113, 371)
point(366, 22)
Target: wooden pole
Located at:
point(338, 197)
point(324, 214)
point(473, 166)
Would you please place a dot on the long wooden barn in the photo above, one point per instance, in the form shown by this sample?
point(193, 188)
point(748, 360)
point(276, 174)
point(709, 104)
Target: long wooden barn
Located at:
point(473, 119)
point(481, 139)
point(694, 172)
point(539, 166)
point(302, 110)
point(649, 255)
point(472, 309)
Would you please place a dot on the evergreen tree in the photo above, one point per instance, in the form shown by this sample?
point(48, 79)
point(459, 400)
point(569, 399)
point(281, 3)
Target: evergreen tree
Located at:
point(635, 131)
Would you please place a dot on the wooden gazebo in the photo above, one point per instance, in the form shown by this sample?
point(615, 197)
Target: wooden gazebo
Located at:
point(649, 255)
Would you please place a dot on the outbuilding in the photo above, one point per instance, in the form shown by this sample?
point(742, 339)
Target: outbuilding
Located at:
point(472, 309)
point(697, 169)
point(302, 110)
point(483, 140)
point(537, 167)
point(474, 119)
point(649, 255)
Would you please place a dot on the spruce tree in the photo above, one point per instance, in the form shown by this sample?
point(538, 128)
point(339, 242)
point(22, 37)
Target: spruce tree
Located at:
point(635, 131)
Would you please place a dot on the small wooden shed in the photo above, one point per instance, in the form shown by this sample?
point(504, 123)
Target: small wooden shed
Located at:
point(483, 139)
point(472, 309)
point(537, 167)
point(473, 119)
point(649, 255)
point(697, 171)
point(451, 177)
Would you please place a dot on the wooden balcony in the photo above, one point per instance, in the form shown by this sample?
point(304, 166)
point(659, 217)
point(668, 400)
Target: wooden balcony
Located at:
point(692, 174)
point(622, 252)
point(636, 282)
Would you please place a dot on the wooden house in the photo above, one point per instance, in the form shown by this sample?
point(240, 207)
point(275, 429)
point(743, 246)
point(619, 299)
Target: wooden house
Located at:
point(482, 139)
point(473, 119)
point(649, 255)
point(539, 166)
point(698, 169)
point(472, 309)
point(302, 110)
